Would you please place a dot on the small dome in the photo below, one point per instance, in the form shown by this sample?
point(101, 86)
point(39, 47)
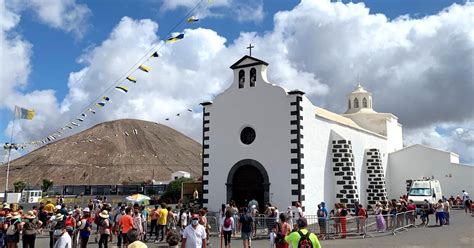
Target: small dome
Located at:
point(359, 101)
point(359, 89)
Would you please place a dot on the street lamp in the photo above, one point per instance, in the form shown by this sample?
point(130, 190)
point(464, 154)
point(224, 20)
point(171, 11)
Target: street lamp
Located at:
point(9, 147)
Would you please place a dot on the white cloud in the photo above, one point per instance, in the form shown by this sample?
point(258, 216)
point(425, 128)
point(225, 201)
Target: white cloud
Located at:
point(66, 15)
point(454, 137)
point(249, 12)
point(418, 69)
point(174, 4)
point(240, 10)
point(13, 76)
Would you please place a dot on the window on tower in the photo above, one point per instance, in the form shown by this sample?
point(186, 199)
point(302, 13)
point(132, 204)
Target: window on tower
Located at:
point(364, 103)
point(241, 79)
point(356, 103)
point(253, 77)
point(349, 103)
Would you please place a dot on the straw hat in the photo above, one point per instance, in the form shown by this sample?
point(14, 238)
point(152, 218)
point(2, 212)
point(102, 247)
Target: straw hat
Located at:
point(59, 217)
point(15, 215)
point(30, 215)
point(104, 214)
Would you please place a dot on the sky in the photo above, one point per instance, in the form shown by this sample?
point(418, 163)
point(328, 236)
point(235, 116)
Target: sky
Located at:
point(415, 56)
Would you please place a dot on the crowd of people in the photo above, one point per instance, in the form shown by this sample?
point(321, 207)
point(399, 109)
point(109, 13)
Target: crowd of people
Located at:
point(132, 225)
point(283, 228)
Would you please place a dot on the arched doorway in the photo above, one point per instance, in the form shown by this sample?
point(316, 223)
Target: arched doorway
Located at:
point(248, 180)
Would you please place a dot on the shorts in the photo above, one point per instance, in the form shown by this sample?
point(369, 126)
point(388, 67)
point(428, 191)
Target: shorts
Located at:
point(124, 238)
point(246, 235)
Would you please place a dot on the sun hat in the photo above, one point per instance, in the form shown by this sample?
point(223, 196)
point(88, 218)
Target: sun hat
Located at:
point(15, 215)
point(30, 215)
point(59, 217)
point(6, 206)
point(86, 210)
point(58, 207)
point(104, 214)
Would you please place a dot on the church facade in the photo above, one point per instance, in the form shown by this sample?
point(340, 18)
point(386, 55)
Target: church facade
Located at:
point(263, 142)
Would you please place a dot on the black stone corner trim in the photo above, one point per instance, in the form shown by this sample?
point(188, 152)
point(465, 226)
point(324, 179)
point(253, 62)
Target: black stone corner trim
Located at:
point(296, 92)
point(204, 146)
point(296, 129)
point(206, 103)
point(205, 200)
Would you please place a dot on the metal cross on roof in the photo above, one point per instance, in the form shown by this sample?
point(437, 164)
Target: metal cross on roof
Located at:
point(250, 48)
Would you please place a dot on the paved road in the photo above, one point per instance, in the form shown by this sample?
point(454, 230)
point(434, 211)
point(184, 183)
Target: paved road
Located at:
point(459, 234)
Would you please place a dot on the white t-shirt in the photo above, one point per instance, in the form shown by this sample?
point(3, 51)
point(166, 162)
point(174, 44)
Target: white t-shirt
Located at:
point(184, 219)
point(193, 236)
point(64, 241)
point(465, 196)
point(440, 208)
point(231, 224)
point(298, 213)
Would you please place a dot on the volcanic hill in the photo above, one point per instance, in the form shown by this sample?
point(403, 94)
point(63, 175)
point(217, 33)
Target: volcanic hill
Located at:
point(116, 152)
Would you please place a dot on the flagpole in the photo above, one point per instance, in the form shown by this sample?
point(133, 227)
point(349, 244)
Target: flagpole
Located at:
point(9, 153)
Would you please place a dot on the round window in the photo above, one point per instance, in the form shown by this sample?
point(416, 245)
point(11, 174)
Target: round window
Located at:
point(247, 136)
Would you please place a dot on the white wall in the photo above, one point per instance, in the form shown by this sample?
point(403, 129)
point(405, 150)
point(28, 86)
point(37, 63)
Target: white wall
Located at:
point(265, 108)
point(416, 162)
point(319, 176)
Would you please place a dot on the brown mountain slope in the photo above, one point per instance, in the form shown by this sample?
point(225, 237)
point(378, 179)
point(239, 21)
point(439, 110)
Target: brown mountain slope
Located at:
point(115, 152)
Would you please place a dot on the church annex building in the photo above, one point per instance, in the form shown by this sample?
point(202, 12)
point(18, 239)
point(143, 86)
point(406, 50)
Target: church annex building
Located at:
point(263, 142)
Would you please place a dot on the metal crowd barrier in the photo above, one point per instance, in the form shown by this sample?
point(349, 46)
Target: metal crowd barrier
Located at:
point(349, 226)
point(376, 224)
point(213, 224)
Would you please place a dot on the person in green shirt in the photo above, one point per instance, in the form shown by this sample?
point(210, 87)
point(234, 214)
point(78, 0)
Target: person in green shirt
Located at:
point(294, 237)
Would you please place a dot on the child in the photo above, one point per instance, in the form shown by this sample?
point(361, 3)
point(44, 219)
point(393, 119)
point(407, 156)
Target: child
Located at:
point(272, 237)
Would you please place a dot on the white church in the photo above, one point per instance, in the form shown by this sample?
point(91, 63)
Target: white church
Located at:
point(263, 142)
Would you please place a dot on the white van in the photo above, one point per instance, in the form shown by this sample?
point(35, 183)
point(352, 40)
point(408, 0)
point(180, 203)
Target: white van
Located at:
point(425, 189)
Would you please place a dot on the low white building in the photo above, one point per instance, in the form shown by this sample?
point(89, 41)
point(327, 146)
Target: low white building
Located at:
point(419, 162)
point(179, 174)
point(263, 142)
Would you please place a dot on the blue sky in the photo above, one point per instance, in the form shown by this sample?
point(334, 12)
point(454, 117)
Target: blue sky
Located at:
point(56, 52)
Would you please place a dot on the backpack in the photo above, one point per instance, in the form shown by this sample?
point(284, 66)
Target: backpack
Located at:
point(97, 218)
point(279, 239)
point(320, 213)
point(29, 228)
point(227, 222)
point(11, 230)
point(305, 242)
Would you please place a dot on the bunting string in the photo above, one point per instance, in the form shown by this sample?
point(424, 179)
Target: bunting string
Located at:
point(120, 85)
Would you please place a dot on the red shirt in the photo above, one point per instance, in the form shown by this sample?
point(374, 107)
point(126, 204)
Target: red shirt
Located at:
point(126, 222)
point(362, 213)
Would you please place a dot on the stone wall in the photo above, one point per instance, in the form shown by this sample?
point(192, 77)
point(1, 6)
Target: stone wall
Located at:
point(344, 172)
point(376, 189)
